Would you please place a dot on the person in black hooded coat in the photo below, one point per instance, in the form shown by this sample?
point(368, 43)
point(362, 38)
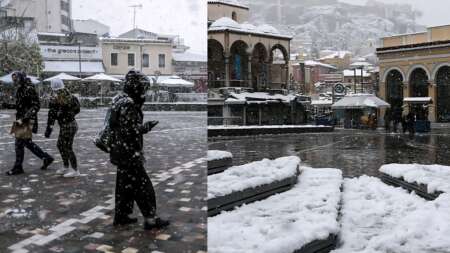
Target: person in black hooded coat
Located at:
point(27, 106)
point(127, 130)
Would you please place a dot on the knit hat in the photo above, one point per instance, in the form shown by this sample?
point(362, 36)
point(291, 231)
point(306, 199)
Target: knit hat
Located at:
point(57, 84)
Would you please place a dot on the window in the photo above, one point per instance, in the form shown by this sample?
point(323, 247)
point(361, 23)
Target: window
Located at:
point(130, 59)
point(114, 59)
point(162, 60)
point(234, 16)
point(145, 61)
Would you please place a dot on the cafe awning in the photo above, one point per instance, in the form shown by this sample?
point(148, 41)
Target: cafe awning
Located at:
point(360, 101)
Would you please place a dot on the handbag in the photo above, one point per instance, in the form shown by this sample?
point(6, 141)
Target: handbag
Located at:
point(22, 131)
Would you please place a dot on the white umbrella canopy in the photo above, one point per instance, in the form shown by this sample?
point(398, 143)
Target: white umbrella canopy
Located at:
point(7, 79)
point(359, 101)
point(176, 82)
point(64, 77)
point(101, 77)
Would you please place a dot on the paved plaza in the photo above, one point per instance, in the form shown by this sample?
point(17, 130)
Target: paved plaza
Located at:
point(42, 212)
point(355, 152)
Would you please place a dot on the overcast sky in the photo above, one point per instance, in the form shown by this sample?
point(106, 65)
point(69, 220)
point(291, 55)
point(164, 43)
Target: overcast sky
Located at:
point(186, 18)
point(435, 12)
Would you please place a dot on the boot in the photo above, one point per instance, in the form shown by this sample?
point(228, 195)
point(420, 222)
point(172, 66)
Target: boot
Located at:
point(15, 171)
point(124, 221)
point(47, 162)
point(157, 223)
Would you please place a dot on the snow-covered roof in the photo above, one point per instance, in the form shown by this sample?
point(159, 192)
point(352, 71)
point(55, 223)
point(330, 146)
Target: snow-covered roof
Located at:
point(262, 96)
point(335, 54)
point(226, 23)
point(316, 63)
point(417, 99)
point(159, 41)
point(351, 73)
point(229, 2)
point(73, 67)
point(189, 57)
point(322, 102)
point(358, 101)
point(361, 64)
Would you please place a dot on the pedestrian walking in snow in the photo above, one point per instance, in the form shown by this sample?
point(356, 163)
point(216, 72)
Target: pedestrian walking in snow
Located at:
point(63, 107)
point(411, 123)
point(127, 131)
point(387, 120)
point(27, 106)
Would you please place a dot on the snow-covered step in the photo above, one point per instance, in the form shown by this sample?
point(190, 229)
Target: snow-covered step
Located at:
point(428, 181)
point(251, 182)
point(215, 131)
point(379, 218)
point(218, 161)
point(303, 219)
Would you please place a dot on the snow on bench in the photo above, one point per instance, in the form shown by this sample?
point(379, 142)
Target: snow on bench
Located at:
point(428, 181)
point(284, 223)
point(380, 218)
point(218, 161)
point(250, 182)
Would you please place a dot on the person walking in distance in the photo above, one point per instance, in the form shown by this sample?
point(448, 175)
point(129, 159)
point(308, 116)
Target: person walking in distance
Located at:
point(27, 106)
point(63, 107)
point(127, 131)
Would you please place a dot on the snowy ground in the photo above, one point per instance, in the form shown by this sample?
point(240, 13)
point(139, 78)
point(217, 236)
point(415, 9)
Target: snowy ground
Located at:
point(436, 177)
point(218, 155)
point(377, 218)
point(252, 175)
point(284, 222)
point(43, 213)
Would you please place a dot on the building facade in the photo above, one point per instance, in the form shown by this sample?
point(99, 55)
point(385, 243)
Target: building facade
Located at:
point(77, 54)
point(151, 57)
point(49, 15)
point(244, 55)
point(91, 26)
point(417, 67)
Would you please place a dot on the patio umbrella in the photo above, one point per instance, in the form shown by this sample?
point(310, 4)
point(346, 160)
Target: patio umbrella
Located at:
point(7, 79)
point(101, 77)
point(176, 81)
point(64, 77)
point(359, 101)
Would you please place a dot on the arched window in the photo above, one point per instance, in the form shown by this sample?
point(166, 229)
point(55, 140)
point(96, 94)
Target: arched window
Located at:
point(234, 16)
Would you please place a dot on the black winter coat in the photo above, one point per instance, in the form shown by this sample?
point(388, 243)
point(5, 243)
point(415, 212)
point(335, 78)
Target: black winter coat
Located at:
point(27, 104)
point(63, 111)
point(127, 131)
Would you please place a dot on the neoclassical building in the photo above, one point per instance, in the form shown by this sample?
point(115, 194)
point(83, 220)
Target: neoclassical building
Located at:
point(244, 55)
point(415, 67)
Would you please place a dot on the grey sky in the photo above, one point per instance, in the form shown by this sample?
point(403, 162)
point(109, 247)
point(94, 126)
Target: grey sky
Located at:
point(435, 12)
point(186, 18)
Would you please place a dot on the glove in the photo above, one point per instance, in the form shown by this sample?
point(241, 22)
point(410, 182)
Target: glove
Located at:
point(149, 125)
point(48, 132)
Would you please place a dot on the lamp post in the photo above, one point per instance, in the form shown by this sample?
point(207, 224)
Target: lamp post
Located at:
point(79, 57)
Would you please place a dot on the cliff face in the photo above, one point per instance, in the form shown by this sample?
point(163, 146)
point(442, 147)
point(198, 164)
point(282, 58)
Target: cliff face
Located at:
point(330, 24)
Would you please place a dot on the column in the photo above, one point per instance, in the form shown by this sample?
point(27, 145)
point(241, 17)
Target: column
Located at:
point(432, 109)
point(227, 70)
point(250, 84)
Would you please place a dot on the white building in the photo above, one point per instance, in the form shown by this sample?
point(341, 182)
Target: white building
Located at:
point(49, 15)
point(91, 26)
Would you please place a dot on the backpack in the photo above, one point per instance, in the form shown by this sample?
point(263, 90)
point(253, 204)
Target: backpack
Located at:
point(75, 105)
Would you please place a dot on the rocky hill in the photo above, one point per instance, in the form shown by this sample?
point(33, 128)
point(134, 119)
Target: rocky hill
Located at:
point(330, 24)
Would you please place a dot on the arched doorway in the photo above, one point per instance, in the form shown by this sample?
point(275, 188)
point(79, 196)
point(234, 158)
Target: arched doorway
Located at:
point(279, 59)
point(394, 89)
point(238, 64)
point(216, 64)
point(259, 67)
point(418, 81)
point(443, 94)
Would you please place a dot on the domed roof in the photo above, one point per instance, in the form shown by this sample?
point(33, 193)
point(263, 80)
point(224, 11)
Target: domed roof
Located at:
point(268, 29)
point(225, 22)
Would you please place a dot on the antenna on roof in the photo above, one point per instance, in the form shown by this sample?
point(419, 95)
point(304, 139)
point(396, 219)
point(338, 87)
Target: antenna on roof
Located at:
point(136, 6)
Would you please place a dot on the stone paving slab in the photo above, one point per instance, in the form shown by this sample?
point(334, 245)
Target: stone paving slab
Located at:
point(42, 212)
